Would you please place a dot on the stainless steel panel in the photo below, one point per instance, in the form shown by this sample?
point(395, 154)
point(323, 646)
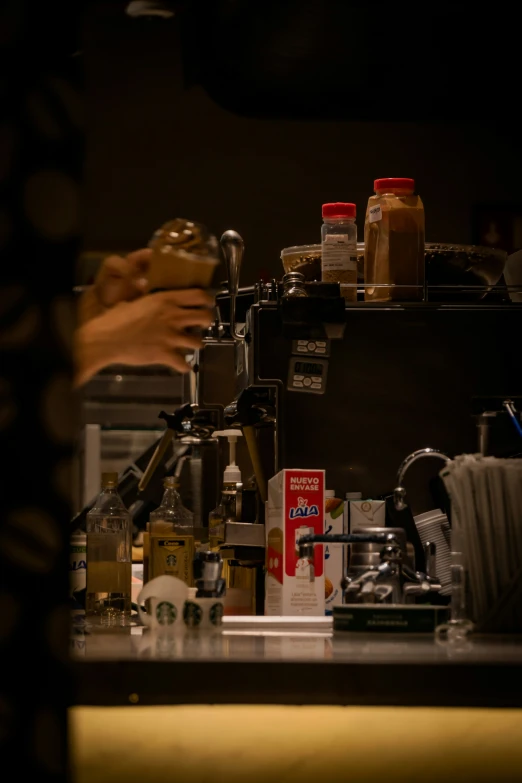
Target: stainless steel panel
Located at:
point(244, 534)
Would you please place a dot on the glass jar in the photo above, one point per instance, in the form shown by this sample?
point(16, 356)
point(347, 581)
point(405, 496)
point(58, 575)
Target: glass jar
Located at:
point(339, 247)
point(293, 285)
point(394, 242)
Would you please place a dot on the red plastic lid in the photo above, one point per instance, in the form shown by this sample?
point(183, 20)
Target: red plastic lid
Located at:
point(339, 209)
point(394, 183)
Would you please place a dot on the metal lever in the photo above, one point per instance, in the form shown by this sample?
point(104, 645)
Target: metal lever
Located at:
point(430, 555)
point(233, 247)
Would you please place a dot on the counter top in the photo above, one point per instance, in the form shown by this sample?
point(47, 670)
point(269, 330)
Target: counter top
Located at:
point(298, 661)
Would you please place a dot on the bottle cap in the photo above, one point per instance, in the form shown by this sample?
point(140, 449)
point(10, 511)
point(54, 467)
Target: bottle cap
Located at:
point(109, 478)
point(169, 482)
point(339, 209)
point(329, 493)
point(293, 277)
point(391, 184)
point(354, 496)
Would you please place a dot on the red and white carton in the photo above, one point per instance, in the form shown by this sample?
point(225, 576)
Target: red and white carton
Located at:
point(295, 507)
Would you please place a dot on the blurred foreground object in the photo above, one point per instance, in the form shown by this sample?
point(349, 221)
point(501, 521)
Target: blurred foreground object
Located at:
point(184, 255)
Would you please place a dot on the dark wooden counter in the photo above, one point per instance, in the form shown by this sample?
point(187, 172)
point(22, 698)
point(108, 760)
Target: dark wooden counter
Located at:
point(299, 663)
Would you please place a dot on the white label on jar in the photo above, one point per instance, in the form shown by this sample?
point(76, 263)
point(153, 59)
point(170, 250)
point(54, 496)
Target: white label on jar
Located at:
point(339, 254)
point(375, 213)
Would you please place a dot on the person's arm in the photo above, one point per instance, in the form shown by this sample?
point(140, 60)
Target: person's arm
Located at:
point(92, 351)
point(118, 280)
point(151, 330)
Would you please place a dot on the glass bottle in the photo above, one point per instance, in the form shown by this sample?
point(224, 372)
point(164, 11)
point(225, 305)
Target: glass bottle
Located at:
point(293, 285)
point(394, 242)
point(109, 549)
point(223, 513)
point(171, 537)
point(339, 248)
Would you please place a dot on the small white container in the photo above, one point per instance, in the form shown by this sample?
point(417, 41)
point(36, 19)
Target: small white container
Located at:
point(366, 513)
point(334, 554)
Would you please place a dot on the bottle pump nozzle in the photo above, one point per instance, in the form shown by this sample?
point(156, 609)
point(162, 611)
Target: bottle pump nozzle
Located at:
point(232, 474)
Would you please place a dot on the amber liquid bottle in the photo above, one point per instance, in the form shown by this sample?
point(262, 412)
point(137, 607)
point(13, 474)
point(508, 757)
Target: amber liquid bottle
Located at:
point(109, 548)
point(172, 537)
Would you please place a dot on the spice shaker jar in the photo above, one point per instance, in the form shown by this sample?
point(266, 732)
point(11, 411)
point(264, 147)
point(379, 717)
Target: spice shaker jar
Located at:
point(339, 248)
point(394, 242)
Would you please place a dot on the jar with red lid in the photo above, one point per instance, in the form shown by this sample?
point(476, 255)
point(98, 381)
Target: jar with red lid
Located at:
point(394, 242)
point(339, 247)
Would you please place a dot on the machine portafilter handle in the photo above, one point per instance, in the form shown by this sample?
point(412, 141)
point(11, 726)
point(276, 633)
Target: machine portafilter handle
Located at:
point(174, 423)
point(233, 248)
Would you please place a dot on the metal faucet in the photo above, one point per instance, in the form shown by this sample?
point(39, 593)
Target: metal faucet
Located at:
point(399, 493)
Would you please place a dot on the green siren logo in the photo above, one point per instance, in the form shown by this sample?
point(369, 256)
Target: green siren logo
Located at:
point(166, 613)
point(216, 614)
point(192, 614)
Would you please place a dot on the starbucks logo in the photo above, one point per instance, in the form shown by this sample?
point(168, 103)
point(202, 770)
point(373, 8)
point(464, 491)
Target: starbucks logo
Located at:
point(166, 613)
point(216, 614)
point(172, 560)
point(192, 614)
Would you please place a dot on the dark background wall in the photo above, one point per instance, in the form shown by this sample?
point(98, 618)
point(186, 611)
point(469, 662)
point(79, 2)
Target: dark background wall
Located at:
point(157, 150)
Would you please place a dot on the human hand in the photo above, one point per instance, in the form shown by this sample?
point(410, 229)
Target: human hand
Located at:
point(150, 330)
point(118, 280)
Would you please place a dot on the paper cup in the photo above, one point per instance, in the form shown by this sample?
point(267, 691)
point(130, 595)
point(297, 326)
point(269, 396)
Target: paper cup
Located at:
point(174, 269)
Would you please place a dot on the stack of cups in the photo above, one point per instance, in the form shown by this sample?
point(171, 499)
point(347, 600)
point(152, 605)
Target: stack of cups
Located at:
point(433, 526)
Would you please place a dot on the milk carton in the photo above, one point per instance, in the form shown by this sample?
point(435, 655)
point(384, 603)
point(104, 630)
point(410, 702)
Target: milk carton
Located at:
point(295, 507)
point(334, 554)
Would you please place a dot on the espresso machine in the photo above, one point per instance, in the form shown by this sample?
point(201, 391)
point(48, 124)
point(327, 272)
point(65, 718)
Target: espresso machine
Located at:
point(353, 387)
point(361, 390)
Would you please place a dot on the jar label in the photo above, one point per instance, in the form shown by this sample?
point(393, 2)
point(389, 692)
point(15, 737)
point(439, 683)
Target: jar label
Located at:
point(375, 214)
point(172, 556)
point(339, 254)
